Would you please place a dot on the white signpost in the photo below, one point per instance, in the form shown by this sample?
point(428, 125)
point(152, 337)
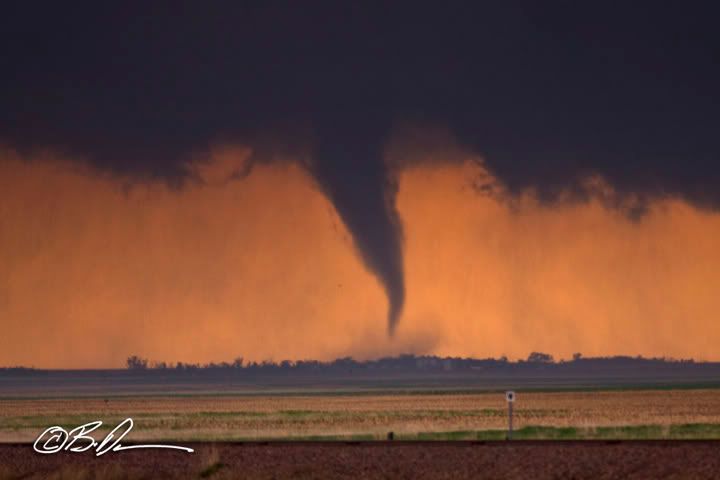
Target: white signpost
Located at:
point(510, 397)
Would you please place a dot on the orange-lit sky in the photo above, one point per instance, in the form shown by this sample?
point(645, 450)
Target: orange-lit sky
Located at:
point(95, 267)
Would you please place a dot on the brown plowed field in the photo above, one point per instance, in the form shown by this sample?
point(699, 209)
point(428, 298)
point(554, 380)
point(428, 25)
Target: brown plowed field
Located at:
point(386, 460)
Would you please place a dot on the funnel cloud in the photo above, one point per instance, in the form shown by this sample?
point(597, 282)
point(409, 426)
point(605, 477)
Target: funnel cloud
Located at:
point(352, 173)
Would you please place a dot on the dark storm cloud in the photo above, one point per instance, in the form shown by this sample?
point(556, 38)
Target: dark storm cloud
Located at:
point(548, 93)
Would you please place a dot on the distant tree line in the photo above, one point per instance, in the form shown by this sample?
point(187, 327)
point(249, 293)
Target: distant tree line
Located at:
point(535, 363)
point(408, 362)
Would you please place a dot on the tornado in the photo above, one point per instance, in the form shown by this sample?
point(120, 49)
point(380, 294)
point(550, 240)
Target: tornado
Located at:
point(349, 167)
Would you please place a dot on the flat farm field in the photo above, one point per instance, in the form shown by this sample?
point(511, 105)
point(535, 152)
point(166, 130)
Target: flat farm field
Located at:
point(622, 414)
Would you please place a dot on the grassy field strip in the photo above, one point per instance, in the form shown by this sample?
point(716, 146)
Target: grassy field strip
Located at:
point(696, 431)
point(613, 414)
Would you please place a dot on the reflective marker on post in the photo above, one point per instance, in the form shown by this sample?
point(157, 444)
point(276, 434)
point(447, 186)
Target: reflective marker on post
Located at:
point(510, 397)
